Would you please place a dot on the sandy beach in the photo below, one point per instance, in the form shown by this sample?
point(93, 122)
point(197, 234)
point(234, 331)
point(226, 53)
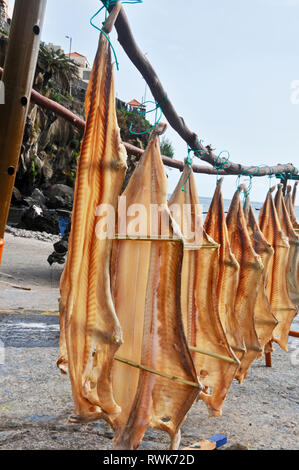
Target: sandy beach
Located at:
point(36, 400)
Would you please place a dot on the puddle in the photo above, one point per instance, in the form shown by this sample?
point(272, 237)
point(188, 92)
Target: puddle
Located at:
point(26, 331)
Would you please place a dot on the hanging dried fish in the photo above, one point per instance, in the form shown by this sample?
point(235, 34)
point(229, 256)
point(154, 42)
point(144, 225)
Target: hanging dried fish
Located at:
point(264, 319)
point(199, 298)
point(294, 193)
point(276, 288)
point(146, 278)
point(228, 273)
point(90, 330)
point(293, 260)
point(290, 207)
point(251, 269)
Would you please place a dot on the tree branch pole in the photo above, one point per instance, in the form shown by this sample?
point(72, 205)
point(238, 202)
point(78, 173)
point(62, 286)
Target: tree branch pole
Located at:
point(127, 41)
point(79, 123)
point(18, 75)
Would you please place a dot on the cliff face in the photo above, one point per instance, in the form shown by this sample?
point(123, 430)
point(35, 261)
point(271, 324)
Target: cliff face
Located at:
point(51, 145)
point(49, 153)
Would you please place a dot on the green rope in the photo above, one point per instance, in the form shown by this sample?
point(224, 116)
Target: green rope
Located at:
point(108, 4)
point(189, 163)
point(158, 115)
point(223, 163)
point(250, 175)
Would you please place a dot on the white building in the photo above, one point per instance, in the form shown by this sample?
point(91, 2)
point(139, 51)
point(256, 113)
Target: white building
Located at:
point(84, 66)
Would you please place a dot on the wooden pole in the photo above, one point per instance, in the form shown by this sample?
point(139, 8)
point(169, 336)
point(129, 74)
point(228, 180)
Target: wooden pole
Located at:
point(79, 123)
point(18, 75)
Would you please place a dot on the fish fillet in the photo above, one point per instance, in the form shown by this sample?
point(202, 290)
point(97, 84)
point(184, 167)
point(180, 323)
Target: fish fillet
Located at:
point(250, 276)
point(146, 279)
point(294, 193)
point(293, 259)
point(276, 288)
point(290, 207)
point(264, 318)
point(90, 330)
point(228, 273)
point(199, 297)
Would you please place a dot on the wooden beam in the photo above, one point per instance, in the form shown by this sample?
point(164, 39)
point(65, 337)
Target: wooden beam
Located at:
point(18, 75)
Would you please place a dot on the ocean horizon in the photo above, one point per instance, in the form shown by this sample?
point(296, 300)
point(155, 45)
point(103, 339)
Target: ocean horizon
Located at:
point(206, 201)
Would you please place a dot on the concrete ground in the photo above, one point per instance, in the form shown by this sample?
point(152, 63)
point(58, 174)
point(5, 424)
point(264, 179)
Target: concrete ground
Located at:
point(35, 399)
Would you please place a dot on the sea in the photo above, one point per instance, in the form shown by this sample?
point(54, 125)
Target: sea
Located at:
point(206, 201)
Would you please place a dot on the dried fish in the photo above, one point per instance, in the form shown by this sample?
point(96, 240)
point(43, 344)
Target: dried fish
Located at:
point(228, 273)
point(250, 276)
point(199, 298)
point(264, 318)
point(277, 288)
point(146, 278)
point(90, 330)
point(293, 260)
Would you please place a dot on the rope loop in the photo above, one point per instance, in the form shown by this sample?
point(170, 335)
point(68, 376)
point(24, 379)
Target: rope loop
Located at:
point(223, 162)
point(158, 115)
point(107, 5)
point(189, 163)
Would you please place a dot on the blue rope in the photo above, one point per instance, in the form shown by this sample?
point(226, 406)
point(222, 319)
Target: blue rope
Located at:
point(107, 4)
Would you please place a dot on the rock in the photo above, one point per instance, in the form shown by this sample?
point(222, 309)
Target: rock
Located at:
point(38, 197)
point(61, 190)
point(37, 219)
point(61, 247)
point(16, 196)
point(237, 447)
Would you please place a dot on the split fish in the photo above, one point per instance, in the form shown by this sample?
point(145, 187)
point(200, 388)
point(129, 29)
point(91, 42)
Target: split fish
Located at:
point(264, 319)
point(146, 280)
point(293, 259)
point(250, 276)
point(201, 319)
point(277, 284)
point(228, 272)
point(290, 208)
point(294, 193)
point(90, 331)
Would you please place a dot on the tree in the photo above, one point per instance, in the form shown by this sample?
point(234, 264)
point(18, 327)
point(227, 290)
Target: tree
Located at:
point(56, 65)
point(167, 147)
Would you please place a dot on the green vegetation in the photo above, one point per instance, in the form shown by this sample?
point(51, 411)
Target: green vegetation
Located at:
point(55, 95)
point(56, 65)
point(139, 124)
point(167, 148)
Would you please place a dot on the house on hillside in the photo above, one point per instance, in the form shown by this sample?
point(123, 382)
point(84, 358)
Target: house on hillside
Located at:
point(134, 105)
point(84, 66)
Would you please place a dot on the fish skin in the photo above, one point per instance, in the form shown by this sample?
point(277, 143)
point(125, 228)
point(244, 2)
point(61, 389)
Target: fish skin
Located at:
point(293, 260)
point(199, 298)
point(228, 272)
point(290, 207)
point(251, 269)
point(90, 331)
point(146, 279)
point(276, 288)
point(294, 193)
point(264, 319)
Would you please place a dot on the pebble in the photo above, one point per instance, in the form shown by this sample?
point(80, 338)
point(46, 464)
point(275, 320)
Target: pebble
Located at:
point(41, 236)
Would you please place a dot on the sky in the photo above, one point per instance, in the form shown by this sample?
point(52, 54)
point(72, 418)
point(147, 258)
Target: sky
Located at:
point(227, 66)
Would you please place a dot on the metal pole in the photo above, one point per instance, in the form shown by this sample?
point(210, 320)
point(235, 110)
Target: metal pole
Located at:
point(18, 75)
